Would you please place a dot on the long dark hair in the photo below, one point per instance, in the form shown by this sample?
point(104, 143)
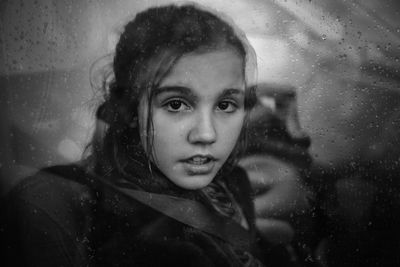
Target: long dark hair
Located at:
point(147, 50)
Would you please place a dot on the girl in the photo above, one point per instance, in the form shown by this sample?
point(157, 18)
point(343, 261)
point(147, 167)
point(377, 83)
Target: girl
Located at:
point(160, 186)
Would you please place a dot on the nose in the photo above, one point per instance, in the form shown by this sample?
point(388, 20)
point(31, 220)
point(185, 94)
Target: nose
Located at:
point(203, 130)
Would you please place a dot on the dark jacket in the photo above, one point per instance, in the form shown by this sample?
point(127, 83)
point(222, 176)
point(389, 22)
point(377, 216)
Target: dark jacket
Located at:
point(63, 217)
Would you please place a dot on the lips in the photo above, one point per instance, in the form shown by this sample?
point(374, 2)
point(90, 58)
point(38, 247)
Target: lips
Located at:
point(198, 160)
point(199, 164)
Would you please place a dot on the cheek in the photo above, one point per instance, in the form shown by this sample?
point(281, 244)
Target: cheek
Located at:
point(168, 136)
point(230, 130)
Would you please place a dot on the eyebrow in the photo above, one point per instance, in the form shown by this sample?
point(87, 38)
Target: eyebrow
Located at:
point(232, 91)
point(173, 89)
point(188, 92)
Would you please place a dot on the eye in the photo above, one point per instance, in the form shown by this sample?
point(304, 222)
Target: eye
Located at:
point(176, 105)
point(227, 106)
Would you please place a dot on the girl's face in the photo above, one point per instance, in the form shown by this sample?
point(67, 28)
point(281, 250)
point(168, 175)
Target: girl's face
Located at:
point(198, 113)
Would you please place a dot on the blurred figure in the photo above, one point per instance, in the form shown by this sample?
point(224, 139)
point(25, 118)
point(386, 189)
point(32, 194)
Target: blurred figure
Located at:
point(277, 162)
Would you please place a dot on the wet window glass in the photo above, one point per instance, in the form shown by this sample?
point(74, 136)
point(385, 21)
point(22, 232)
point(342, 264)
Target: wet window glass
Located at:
point(323, 155)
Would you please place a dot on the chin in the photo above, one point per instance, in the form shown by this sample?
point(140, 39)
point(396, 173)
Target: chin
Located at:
point(194, 182)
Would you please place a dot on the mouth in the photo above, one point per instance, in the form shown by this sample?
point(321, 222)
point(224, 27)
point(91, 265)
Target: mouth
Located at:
point(199, 164)
point(199, 159)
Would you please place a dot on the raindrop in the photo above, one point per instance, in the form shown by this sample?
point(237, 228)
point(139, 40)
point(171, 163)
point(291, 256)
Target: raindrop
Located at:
point(45, 25)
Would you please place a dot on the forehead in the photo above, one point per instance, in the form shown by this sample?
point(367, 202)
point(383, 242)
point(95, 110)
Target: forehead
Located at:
point(219, 69)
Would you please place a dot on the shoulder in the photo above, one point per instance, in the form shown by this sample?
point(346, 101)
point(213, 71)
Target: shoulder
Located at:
point(57, 194)
point(52, 188)
point(50, 210)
